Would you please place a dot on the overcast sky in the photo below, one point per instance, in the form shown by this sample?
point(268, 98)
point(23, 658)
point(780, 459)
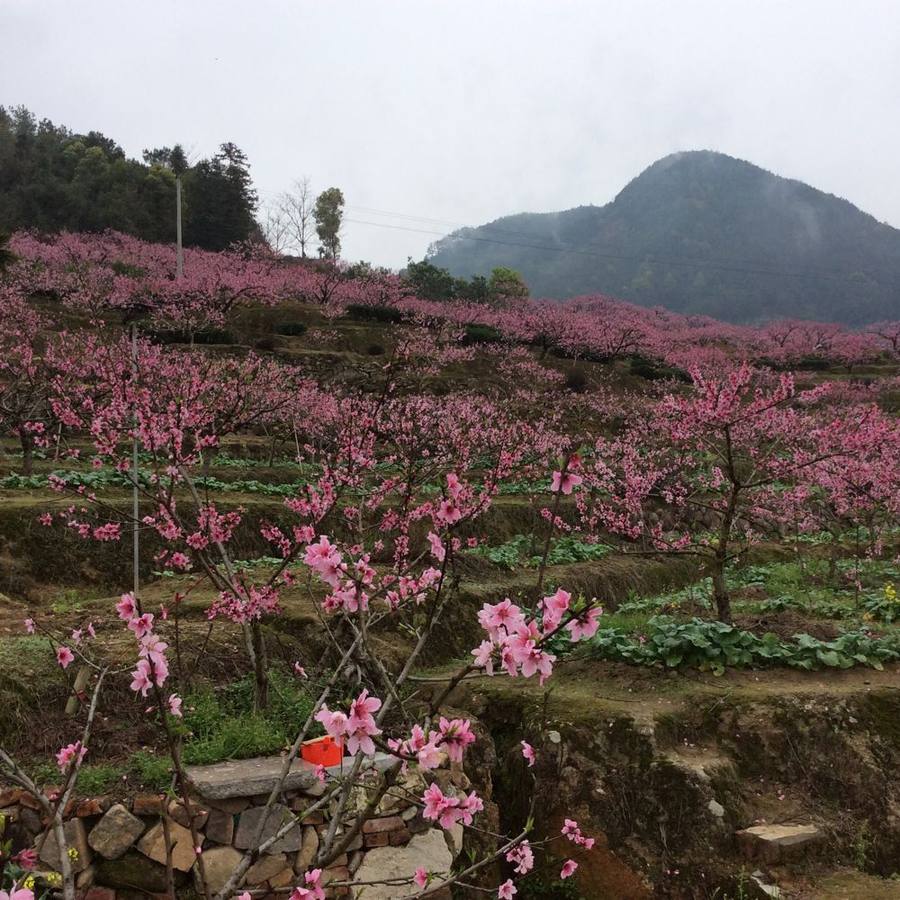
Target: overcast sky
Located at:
point(464, 111)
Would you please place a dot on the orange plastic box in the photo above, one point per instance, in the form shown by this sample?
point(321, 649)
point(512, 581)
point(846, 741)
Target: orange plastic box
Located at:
point(323, 751)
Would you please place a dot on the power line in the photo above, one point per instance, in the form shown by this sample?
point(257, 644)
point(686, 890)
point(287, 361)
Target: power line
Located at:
point(609, 256)
point(733, 264)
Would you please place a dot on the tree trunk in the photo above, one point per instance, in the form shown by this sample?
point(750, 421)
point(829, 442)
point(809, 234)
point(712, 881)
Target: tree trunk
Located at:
point(720, 558)
point(260, 667)
point(27, 452)
point(720, 589)
point(832, 565)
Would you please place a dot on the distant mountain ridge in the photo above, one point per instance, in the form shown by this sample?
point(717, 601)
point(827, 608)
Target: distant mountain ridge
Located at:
point(700, 232)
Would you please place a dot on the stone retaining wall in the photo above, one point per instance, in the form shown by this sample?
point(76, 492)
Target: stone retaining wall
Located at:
point(120, 844)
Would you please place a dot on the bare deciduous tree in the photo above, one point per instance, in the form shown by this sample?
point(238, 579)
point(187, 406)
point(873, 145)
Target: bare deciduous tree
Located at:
point(296, 208)
point(277, 230)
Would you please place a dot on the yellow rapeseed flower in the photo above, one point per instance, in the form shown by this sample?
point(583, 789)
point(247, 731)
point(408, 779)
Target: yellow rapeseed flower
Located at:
point(73, 853)
point(28, 883)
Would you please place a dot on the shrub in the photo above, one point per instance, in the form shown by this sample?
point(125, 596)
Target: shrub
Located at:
point(642, 367)
point(375, 350)
point(812, 364)
point(161, 336)
point(576, 381)
point(364, 313)
point(291, 329)
point(265, 343)
point(128, 269)
point(481, 334)
point(214, 336)
point(205, 336)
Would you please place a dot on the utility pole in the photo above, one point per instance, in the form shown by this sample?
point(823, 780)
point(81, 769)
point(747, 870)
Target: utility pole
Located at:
point(178, 162)
point(179, 265)
point(135, 502)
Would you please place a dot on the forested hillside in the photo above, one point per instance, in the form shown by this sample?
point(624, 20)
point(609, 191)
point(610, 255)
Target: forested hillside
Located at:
point(53, 179)
point(701, 232)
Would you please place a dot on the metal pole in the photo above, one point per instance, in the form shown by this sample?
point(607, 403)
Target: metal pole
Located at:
point(179, 266)
point(135, 506)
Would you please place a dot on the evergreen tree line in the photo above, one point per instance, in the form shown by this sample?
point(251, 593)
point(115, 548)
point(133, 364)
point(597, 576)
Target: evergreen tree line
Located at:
point(52, 179)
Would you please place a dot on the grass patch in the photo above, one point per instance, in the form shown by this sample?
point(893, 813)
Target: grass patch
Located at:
point(71, 600)
point(29, 678)
point(151, 771)
point(221, 724)
point(808, 588)
point(218, 725)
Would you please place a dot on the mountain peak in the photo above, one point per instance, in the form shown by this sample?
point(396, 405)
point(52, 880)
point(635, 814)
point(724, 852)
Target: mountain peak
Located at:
point(699, 231)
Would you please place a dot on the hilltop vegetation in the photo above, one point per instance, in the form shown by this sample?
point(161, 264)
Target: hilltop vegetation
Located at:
point(53, 179)
point(700, 233)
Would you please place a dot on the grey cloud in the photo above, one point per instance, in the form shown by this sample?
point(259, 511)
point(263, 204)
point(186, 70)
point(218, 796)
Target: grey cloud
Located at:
point(469, 110)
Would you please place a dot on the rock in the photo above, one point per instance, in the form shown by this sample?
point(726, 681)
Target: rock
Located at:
point(153, 845)
point(10, 796)
point(316, 817)
point(76, 839)
point(100, 893)
point(220, 827)
point(25, 799)
point(308, 849)
point(315, 790)
point(265, 868)
point(459, 777)
point(387, 823)
point(277, 816)
point(218, 863)
point(30, 821)
point(454, 837)
point(396, 798)
point(133, 870)
point(125, 894)
point(428, 850)
point(378, 839)
point(776, 843)
point(232, 806)
point(418, 824)
point(115, 832)
point(766, 889)
point(284, 878)
point(335, 873)
point(93, 807)
point(356, 842)
point(245, 777)
point(178, 812)
point(85, 878)
point(399, 836)
point(147, 805)
point(716, 809)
